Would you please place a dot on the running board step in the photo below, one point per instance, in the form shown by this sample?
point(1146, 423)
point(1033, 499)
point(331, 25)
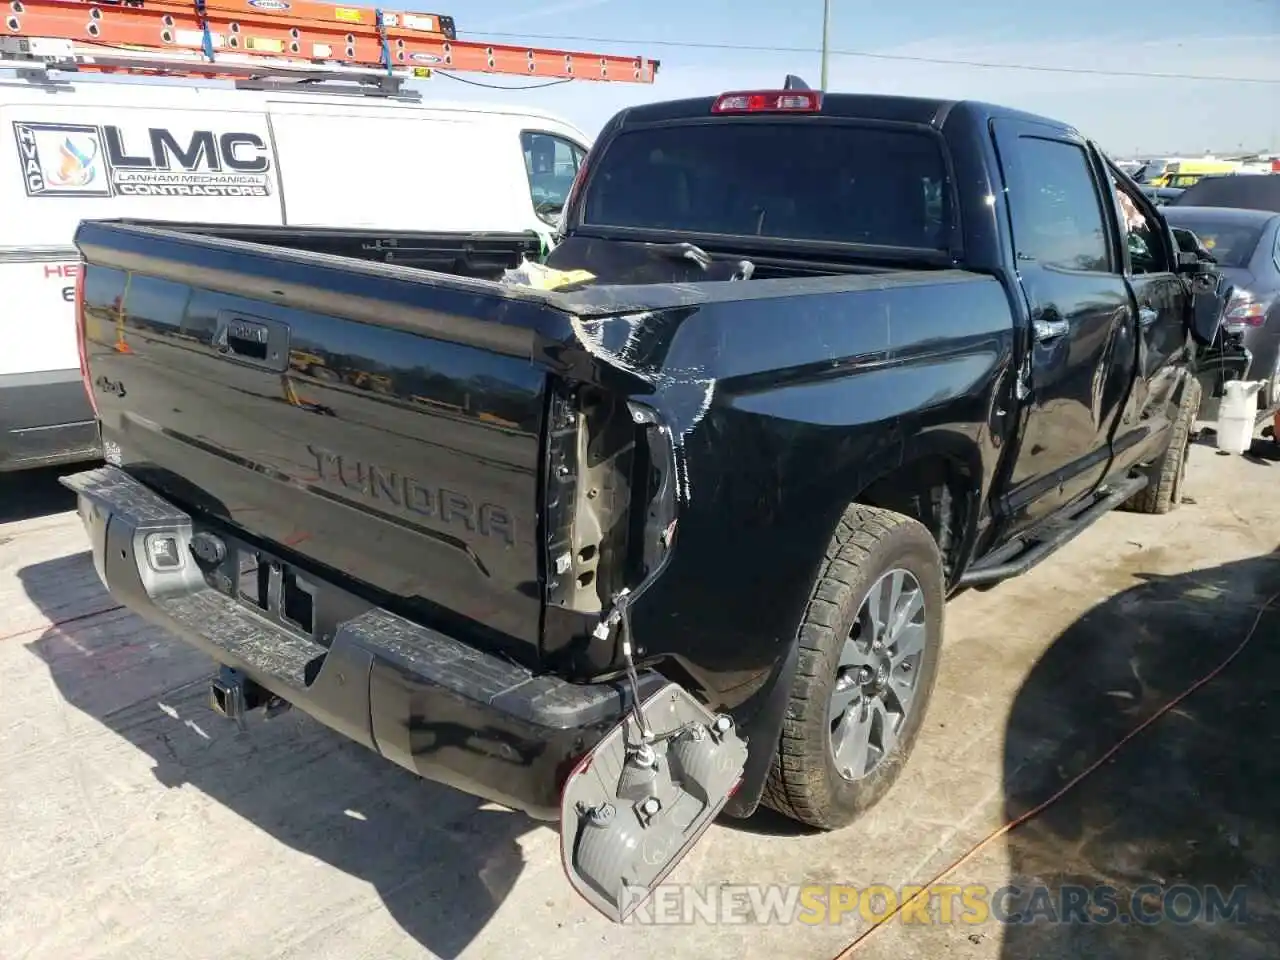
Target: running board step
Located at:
point(1025, 552)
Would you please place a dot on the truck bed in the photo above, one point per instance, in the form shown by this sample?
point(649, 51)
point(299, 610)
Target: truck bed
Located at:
point(393, 428)
point(483, 255)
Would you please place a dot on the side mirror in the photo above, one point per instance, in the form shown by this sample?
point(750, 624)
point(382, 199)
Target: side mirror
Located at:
point(1210, 293)
point(1210, 289)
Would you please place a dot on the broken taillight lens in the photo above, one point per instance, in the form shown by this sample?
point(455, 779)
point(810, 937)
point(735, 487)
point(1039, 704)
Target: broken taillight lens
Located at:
point(627, 821)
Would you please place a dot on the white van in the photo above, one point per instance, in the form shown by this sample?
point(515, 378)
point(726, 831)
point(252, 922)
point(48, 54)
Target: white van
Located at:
point(81, 150)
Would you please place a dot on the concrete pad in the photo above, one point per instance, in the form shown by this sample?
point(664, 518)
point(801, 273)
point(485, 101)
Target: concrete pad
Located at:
point(136, 823)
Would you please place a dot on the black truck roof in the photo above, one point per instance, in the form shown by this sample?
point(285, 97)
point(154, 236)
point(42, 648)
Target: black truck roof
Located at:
point(923, 110)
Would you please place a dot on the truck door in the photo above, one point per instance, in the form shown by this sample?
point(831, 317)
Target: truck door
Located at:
point(1160, 301)
point(1078, 358)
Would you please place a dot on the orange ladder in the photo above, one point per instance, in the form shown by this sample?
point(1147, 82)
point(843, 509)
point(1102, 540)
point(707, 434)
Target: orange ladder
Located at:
point(278, 37)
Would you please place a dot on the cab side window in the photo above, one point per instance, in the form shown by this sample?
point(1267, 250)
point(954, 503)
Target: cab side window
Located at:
point(1145, 246)
point(1054, 205)
point(551, 162)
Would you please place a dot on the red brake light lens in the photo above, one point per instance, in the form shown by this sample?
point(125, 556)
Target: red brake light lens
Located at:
point(1245, 313)
point(769, 101)
point(80, 339)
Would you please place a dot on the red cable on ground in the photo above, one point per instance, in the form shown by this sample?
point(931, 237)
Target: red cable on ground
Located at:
point(1035, 811)
point(59, 623)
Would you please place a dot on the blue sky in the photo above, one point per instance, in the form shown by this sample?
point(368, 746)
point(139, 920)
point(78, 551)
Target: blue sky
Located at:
point(1232, 38)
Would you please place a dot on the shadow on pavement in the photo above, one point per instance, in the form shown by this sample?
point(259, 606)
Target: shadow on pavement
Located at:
point(1192, 803)
point(769, 823)
point(1263, 451)
point(441, 862)
point(31, 494)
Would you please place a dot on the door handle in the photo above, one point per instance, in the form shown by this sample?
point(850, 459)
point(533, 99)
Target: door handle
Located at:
point(245, 338)
point(258, 341)
point(1147, 316)
point(1048, 330)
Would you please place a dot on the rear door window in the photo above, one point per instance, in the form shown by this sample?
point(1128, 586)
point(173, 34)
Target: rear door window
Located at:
point(1054, 205)
point(819, 181)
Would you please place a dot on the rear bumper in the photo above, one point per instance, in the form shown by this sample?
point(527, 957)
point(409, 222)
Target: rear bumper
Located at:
point(46, 419)
point(426, 701)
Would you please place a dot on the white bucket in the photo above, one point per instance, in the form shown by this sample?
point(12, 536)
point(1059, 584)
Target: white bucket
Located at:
point(1238, 415)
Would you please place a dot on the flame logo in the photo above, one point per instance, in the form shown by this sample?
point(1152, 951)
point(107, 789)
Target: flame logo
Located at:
point(75, 163)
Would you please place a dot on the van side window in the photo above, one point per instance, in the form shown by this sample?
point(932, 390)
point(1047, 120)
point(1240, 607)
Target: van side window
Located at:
point(551, 162)
point(1054, 204)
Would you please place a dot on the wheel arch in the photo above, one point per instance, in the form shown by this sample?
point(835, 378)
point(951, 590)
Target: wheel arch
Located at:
point(938, 482)
point(937, 479)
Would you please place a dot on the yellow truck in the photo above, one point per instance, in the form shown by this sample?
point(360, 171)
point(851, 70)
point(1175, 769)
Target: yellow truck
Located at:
point(1184, 173)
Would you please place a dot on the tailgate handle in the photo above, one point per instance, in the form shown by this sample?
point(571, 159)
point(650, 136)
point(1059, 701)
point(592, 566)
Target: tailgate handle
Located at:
point(256, 340)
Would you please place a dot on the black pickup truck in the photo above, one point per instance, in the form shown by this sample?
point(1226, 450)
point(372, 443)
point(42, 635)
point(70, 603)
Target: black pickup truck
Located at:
point(675, 541)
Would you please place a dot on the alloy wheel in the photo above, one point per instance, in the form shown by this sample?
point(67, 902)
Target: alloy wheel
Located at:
point(877, 674)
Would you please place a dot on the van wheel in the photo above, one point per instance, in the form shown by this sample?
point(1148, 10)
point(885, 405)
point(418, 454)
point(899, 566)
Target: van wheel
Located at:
point(1164, 492)
point(869, 648)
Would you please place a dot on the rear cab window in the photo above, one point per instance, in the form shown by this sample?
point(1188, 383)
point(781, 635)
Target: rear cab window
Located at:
point(827, 181)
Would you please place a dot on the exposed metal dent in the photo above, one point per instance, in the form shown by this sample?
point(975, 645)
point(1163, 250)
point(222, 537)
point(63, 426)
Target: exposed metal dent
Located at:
point(684, 395)
point(615, 340)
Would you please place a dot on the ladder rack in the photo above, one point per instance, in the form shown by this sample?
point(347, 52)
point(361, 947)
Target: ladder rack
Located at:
point(248, 73)
point(273, 43)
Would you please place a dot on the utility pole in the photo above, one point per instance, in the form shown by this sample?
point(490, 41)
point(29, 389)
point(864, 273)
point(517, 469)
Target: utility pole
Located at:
point(826, 29)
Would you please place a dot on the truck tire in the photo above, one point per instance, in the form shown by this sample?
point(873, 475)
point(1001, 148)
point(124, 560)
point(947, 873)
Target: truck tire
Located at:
point(845, 736)
point(1164, 492)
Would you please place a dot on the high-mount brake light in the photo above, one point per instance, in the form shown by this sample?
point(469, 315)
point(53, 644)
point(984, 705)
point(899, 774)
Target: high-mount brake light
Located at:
point(769, 101)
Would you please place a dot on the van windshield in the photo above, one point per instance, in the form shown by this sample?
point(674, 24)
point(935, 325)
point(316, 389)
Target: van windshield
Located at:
point(831, 182)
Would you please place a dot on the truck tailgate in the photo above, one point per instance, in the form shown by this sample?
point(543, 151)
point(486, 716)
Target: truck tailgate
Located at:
point(248, 383)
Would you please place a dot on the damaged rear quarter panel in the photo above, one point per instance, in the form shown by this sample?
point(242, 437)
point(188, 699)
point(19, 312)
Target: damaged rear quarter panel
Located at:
point(787, 398)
